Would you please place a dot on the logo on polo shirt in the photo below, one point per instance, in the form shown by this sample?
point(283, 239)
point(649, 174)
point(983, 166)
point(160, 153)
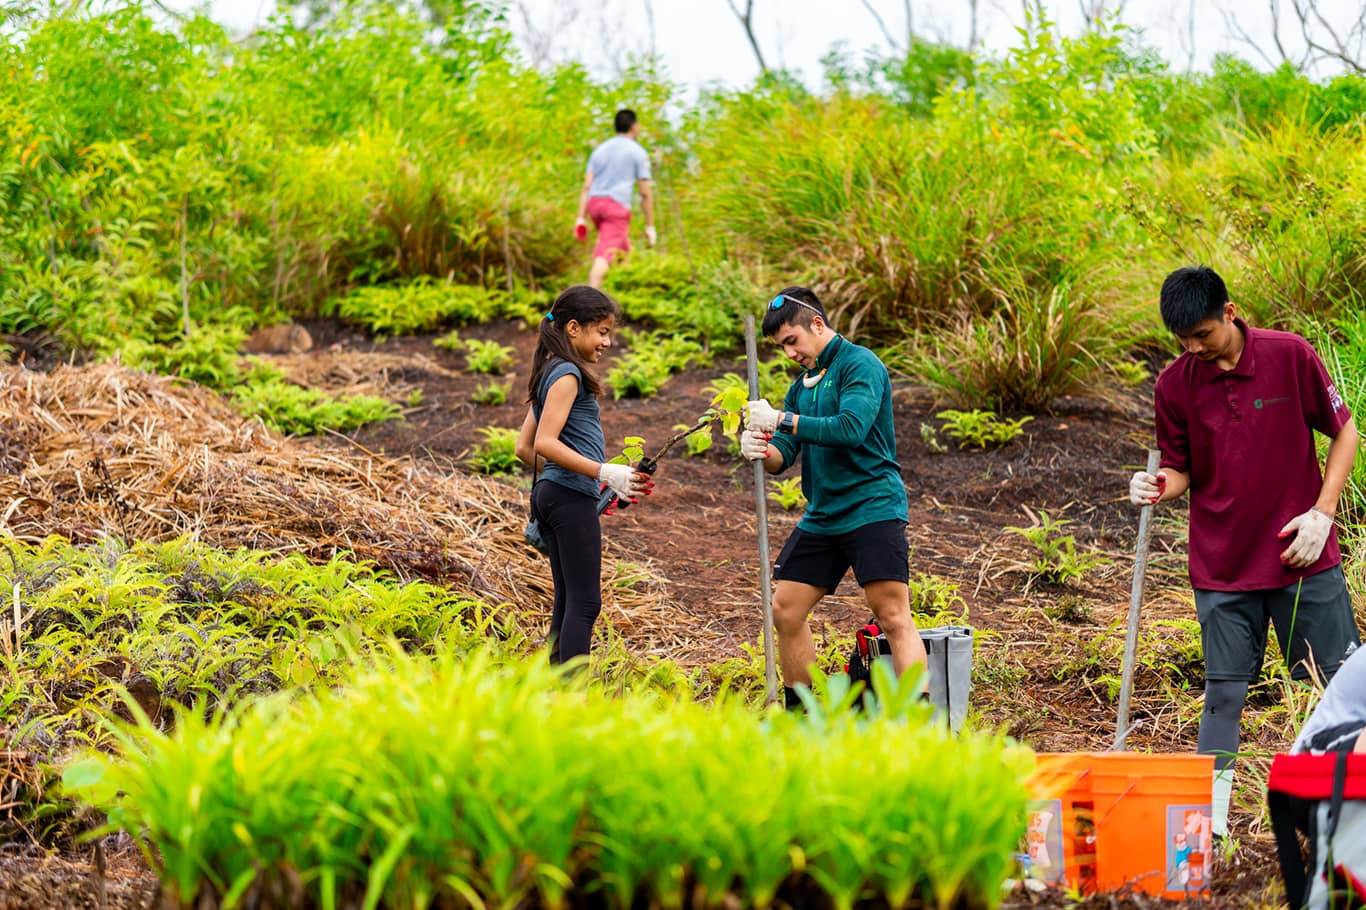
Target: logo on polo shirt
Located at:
point(1260, 403)
point(1334, 397)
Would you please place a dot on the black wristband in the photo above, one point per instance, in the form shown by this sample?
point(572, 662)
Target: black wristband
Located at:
point(785, 422)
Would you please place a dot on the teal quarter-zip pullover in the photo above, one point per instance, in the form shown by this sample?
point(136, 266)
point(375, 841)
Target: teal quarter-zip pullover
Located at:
point(846, 440)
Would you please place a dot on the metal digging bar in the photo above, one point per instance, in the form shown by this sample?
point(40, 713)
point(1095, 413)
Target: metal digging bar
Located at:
point(1126, 685)
point(761, 521)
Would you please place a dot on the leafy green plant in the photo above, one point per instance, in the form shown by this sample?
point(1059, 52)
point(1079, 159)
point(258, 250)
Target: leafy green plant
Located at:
point(208, 356)
point(697, 443)
point(788, 493)
point(417, 306)
point(229, 801)
point(497, 454)
point(980, 428)
point(1069, 608)
point(730, 392)
point(774, 378)
point(1056, 559)
point(632, 450)
point(654, 357)
point(490, 394)
point(451, 341)
point(487, 356)
point(930, 437)
point(296, 410)
point(935, 600)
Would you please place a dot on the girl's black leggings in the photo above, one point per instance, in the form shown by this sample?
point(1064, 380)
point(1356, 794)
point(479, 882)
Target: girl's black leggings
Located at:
point(569, 520)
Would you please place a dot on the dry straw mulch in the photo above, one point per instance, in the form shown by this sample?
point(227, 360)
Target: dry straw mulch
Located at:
point(100, 450)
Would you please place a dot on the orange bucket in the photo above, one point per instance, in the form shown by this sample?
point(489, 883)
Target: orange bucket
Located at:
point(1060, 839)
point(1152, 822)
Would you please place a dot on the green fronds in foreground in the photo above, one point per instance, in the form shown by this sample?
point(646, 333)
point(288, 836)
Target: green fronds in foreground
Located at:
point(459, 779)
point(183, 623)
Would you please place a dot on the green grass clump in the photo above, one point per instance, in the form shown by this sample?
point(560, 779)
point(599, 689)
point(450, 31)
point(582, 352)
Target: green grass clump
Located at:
point(463, 779)
point(1031, 350)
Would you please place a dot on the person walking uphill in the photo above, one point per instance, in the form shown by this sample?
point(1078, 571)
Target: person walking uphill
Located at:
point(562, 426)
point(838, 418)
point(1235, 418)
point(616, 168)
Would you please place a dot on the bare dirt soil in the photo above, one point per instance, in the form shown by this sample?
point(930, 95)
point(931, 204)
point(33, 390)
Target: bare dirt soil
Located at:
point(1046, 651)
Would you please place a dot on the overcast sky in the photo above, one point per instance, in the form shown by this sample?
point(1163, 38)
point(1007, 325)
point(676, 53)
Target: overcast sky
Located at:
point(701, 41)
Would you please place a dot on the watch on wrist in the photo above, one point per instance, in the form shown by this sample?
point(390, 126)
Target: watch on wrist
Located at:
point(785, 422)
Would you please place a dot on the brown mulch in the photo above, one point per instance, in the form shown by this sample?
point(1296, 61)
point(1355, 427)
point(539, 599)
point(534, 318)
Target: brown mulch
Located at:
point(102, 450)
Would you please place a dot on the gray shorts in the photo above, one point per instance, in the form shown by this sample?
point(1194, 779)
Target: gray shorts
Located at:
point(1313, 620)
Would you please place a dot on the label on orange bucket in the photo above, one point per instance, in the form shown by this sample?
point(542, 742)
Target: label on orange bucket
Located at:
point(1189, 839)
point(1043, 840)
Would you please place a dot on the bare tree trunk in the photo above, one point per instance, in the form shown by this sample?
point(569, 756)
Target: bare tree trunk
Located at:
point(650, 18)
point(1094, 11)
point(51, 237)
point(184, 263)
point(507, 246)
point(747, 23)
point(1187, 36)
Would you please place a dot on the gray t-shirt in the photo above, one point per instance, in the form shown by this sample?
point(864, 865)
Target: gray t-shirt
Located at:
point(616, 165)
point(582, 430)
point(1341, 713)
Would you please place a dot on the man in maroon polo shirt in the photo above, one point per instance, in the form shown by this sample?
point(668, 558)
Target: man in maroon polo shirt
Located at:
point(1236, 415)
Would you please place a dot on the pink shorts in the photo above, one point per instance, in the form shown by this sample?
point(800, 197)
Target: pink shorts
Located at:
point(612, 219)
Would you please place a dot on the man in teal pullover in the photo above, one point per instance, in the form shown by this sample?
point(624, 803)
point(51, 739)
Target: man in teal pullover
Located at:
point(838, 417)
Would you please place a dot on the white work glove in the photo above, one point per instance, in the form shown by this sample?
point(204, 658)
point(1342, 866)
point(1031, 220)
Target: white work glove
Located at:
point(651, 236)
point(761, 416)
point(754, 445)
point(1145, 489)
point(625, 481)
point(1311, 533)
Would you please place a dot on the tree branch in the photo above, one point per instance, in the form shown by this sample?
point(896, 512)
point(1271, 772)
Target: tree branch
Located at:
point(1305, 10)
point(1238, 33)
point(747, 23)
point(882, 26)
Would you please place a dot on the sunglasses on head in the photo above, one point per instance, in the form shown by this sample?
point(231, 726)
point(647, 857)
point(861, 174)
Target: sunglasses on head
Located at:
point(777, 304)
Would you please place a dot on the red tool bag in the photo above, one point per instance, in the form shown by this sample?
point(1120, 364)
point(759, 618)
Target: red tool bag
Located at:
point(1323, 796)
point(869, 645)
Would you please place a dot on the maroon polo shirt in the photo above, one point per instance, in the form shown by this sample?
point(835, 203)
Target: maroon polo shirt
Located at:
point(1246, 437)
